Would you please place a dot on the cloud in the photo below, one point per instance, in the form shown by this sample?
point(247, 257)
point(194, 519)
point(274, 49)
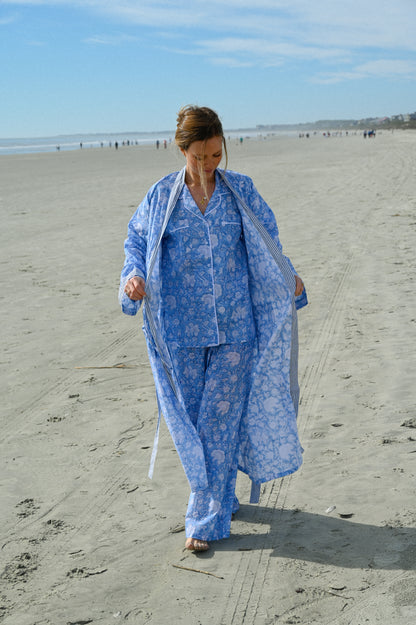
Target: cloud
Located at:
point(381, 68)
point(229, 61)
point(267, 53)
point(41, 2)
point(111, 40)
point(267, 33)
point(389, 68)
point(6, 20)
point(336, 22)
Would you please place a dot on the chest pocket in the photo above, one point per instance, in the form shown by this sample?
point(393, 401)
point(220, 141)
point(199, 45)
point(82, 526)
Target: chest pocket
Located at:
point(172, 241)
point(187, 247)
point(230, 234)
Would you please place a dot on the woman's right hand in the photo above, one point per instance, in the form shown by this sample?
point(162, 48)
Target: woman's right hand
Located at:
point(299, 285)
point(135, 288)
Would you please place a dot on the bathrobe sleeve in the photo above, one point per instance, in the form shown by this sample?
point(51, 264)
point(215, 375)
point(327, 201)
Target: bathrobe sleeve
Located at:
point(135, 248)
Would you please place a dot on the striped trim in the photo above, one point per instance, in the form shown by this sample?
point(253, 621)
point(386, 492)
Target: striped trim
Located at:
point(173, 198)
point(270, 243)
point(290, 281)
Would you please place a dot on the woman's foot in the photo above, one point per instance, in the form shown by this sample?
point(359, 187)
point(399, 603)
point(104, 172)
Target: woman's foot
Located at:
point(194, 544)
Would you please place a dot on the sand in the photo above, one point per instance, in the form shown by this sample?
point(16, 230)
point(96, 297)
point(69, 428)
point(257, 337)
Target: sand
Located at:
point(86, 537)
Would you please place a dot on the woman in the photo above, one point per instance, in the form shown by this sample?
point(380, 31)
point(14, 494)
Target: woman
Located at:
point(203, 253)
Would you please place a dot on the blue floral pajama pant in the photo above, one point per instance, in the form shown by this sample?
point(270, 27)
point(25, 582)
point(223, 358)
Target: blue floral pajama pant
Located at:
point(214, 384)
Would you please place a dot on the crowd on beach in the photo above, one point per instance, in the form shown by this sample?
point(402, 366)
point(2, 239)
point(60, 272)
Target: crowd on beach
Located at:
point(339, 133)
point(165, 142)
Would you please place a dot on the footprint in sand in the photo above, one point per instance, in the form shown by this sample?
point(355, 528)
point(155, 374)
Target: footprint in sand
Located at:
point(27, 507)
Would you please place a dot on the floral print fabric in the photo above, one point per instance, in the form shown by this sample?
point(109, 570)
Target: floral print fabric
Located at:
point(205, 292)
point(214, 386)
point(268, 443)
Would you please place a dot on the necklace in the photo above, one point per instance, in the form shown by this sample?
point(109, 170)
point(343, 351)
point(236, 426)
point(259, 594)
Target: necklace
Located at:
point(201, 195)
point(201, 199)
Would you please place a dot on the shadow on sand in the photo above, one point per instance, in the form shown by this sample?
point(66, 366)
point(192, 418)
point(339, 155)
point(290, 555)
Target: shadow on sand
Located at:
point(323, 539)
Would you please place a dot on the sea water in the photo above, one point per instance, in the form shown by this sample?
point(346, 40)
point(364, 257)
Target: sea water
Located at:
point(105, 140)
point(27, 145)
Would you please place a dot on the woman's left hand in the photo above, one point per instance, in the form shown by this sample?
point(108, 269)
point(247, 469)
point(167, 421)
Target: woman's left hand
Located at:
point(299, 286)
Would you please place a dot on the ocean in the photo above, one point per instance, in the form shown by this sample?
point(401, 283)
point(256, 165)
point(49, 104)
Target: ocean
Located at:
point(27, 145)
point(104, 140)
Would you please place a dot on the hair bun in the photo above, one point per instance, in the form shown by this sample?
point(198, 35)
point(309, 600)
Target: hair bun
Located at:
point(196, 123)
point(185, 112)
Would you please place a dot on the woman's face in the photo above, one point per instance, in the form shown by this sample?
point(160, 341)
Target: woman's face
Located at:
point(203, 157)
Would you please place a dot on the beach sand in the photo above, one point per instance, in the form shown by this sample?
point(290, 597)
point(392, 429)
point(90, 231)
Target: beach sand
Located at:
point(86, 537)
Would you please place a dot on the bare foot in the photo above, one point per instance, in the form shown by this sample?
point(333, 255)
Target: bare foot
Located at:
point(194, 544)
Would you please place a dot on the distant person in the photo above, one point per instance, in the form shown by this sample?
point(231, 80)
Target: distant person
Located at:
point(157, 144)
point(203, 253)
point(80, 145)
point(116, 145)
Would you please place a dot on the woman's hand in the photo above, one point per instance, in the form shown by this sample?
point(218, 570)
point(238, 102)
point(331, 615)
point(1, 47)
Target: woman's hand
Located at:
point(134, 288)
point(299, 286)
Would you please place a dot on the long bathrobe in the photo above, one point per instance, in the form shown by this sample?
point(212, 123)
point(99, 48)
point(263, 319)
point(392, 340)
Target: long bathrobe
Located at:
point(268, 443)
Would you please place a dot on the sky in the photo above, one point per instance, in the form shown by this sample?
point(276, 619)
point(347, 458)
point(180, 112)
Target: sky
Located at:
point(72, 66)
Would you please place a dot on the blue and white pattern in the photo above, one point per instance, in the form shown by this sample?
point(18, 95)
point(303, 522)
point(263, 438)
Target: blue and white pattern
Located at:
point(214, 386)
point(205, 293)
point(268, 445)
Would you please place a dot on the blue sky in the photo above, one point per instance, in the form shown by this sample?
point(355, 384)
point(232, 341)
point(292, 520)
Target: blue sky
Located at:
point(70, 66)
